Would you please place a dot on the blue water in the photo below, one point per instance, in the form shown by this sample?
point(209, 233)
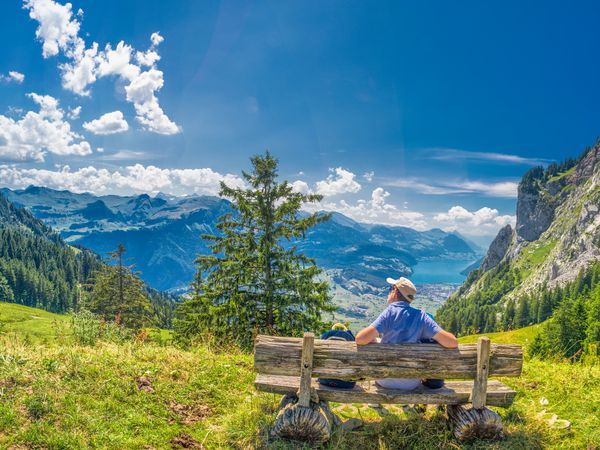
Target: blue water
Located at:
point(440, 271)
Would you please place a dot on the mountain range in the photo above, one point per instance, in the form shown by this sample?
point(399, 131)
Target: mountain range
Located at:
point(555, 241)
point(162, 235)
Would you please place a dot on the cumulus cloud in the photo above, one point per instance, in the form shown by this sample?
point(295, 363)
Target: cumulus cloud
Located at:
point(301, 187)
point(13, 77)
point(369, 176)
point(74, 113)
point(375, 210)
point(58, 31)
point(33, 135)
point(132, 179)
point(340, 181)
point(109, 123)
point(482, 222)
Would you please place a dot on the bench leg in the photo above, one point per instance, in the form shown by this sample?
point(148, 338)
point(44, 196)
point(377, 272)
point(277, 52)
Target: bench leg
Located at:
point(312, 424)
point(474, 423)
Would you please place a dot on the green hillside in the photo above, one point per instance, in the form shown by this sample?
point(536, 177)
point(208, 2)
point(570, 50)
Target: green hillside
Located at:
point(551, 255)
point(32, 323)
point(523, 336)
point(60, 395)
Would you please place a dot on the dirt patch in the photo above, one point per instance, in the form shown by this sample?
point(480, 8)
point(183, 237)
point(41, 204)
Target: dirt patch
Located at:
point(184, 440)
point(144, 384)
point(189, 414)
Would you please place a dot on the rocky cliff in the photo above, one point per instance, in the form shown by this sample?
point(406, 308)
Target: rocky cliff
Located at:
point(556, 237)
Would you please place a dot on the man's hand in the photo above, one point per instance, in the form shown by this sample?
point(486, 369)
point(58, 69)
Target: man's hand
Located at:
point(366, 335)
point(445, 339)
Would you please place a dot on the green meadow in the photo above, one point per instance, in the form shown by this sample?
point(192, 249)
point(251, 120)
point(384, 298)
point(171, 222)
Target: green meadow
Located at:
point(56, 394)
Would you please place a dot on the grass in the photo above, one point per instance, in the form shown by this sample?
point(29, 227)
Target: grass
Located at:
point(523, 336)
point(55, 394)
point(31, 323)
point(534, 255)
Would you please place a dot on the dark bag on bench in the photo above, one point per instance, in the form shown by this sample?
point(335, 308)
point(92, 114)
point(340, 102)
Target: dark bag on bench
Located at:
point(339, 334)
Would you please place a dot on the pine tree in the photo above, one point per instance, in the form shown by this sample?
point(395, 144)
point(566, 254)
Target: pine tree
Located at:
point(118, 294)
point(592, 339)
point(509, 316)
point(522, 314)
point(6, 292)
point(255, 280)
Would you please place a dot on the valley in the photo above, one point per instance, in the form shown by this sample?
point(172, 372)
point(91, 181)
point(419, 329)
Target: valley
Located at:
point(162, 235)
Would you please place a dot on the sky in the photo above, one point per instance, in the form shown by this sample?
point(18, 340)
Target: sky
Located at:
point(420, 114)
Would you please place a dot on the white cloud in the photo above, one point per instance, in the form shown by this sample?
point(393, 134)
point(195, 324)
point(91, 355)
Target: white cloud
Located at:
point(74, 113)
point(369, 176)
point(340, 181)
point(33, 135)
point(301, 187)
point(375, 210)
point(131, 179)
point(452, 154)
point(506, 189)
point(109, 123)
point(141, 92)
point(58, 31)
point(483, 222)
point(156, 39)
point(78, 74)
point(124, 155)
point(13, 77)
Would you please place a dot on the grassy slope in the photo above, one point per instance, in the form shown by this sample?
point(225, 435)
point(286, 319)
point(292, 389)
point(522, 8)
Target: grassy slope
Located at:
point(59, 395)
point(33, 324)
point(522, 336)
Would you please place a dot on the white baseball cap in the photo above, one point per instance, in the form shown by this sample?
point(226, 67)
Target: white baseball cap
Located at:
point(405, 286)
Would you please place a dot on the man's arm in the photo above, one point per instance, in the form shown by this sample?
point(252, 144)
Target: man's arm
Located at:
point(366, 335)
point(444, 338)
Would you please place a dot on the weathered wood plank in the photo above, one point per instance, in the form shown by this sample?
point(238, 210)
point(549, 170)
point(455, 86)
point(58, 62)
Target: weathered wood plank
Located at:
point(481, 380)
point(308, 344)
point(454, 393)
point(345, 360)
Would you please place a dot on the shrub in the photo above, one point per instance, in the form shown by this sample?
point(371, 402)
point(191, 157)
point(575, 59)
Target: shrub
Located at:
point(88, 328)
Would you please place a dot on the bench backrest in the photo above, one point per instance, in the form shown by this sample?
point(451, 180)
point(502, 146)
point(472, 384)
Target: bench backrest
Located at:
point(345, 360)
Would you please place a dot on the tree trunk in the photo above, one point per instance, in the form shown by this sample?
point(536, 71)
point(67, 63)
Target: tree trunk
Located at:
point(468, 424)
point(308, 424)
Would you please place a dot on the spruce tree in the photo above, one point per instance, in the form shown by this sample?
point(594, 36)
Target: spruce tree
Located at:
point(118, 294)
point(255, 280)
point(6, 292)
point(522, 313)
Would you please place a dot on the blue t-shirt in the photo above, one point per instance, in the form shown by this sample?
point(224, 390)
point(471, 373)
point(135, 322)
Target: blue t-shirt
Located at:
point(401, 323)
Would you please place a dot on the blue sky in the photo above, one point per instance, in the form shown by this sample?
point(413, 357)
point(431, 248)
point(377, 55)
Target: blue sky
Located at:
point(412, 113)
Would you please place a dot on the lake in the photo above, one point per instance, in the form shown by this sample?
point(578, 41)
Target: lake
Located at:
point(440, 271)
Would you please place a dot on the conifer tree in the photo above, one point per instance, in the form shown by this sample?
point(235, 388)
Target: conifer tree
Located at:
point(509, 316)
point(6, 292)
point(118, 294)
point(255, 280)
point(522, 313)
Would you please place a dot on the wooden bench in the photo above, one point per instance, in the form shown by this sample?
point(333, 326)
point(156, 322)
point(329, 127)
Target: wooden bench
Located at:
point(287, 366)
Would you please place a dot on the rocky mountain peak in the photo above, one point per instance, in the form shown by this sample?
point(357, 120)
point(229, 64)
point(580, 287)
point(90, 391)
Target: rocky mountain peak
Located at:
point(498, 248)
point(557, 236)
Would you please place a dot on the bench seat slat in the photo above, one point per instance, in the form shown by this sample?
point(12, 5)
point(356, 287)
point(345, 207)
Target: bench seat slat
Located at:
point(453, 393)
point(345, 360)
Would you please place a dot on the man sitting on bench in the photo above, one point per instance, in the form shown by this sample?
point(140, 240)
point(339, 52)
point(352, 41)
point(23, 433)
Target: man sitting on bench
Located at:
point(401, 323)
